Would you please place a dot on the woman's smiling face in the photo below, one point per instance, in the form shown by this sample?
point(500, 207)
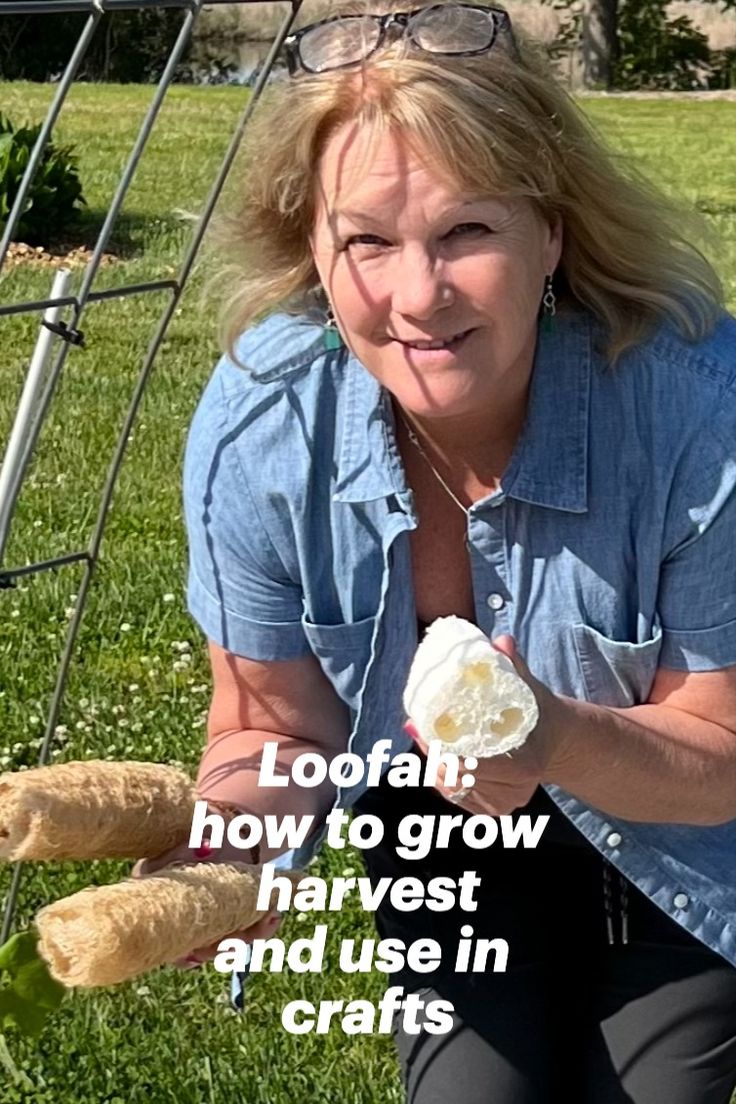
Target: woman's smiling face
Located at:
point(405, 258)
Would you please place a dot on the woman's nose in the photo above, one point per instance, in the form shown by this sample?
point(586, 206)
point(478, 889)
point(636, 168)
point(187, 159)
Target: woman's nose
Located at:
point(420, 287)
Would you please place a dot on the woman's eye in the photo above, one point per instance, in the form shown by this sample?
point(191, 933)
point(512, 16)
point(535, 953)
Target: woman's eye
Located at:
point(364, 239)
point(462, 228)
point(469, 228)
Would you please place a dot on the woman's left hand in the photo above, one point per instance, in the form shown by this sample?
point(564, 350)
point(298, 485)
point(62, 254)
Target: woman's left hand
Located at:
point(506, 782)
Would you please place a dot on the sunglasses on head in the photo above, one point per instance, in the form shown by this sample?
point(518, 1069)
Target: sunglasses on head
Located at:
point(452, 30)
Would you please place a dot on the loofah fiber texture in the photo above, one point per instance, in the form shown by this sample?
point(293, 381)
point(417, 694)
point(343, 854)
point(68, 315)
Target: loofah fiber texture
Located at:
point(467, 695)
point(94, 809)
point(103, 935)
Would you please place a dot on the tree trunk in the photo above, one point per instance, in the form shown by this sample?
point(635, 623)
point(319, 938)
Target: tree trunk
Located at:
point(599, 42)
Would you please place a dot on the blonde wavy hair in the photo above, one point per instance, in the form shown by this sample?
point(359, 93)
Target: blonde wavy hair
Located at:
point(496, 124)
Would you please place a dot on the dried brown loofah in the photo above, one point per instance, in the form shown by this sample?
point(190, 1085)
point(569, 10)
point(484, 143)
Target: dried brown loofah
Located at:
point(94, 810)
point(107, 934)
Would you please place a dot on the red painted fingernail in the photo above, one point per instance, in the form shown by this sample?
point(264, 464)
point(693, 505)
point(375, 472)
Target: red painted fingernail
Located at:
point(411, 730)
point(203, 851)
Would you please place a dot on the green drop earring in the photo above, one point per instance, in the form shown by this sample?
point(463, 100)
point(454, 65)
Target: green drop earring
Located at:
point(549, 304)
point(332, 336)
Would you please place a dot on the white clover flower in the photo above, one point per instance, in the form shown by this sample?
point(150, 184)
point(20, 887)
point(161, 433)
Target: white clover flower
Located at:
point(33, 719)
point(73, 597)
point(180, 665)
point(4, 760)
point(69, 612)
point(183, 699)
point(79, 726)
point(84, 703)
point(137, 727)
point(142, 991)
point(117, 709)
point(137, 700)
point(123, 723)
point(144, 660)
point(61, 731)
point(348, 872)
point(17, 748)
point(37, 523)
point(133, 687)
point(125, 627)
point(15, 613)
point(301, 916)
point(56, 752)
point(169, 598)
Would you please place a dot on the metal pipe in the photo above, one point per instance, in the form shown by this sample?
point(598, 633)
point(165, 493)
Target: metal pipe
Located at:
point(94, 297)
point(22, 438)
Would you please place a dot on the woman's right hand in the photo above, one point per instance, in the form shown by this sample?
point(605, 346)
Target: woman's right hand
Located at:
point(262, 929)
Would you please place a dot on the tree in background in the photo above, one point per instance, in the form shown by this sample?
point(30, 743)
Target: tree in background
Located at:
point(128, 46)
point(599, 42)
point(634, 44)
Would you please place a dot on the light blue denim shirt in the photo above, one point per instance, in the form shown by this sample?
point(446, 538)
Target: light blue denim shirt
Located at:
point(609, 549)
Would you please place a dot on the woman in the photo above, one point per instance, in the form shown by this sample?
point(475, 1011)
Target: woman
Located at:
point(519, 409)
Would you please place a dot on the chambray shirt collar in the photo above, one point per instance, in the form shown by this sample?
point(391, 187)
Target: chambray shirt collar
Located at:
point(549, 465)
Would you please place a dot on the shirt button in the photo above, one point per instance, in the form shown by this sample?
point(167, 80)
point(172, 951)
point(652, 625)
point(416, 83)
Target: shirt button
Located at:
point(614, 839)
point(681, 900)
point(496, 601)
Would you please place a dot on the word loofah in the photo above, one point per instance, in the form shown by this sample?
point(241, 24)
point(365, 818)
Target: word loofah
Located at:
point(467, 695)
point(94, 809)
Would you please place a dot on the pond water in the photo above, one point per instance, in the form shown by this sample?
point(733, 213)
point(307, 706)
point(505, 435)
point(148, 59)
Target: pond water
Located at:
point(229, 61)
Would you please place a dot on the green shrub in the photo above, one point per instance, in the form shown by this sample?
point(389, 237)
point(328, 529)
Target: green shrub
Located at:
point(55, 193)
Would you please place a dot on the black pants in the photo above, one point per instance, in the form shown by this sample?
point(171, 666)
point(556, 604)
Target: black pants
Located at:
point(574, 1019)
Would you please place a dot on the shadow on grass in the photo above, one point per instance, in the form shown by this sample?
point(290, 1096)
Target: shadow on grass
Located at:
point(130, 236)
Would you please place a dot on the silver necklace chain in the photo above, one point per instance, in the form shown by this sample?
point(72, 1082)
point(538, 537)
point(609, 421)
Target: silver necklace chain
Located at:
point(418, 444)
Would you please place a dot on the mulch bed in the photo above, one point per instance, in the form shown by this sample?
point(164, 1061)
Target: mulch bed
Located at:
point(56, 256)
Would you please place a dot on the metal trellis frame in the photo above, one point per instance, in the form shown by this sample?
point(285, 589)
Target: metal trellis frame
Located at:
point(30, 430)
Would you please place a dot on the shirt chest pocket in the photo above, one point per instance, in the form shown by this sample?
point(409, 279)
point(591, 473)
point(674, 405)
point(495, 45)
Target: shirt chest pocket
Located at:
point(616, 672)
point(343, 652)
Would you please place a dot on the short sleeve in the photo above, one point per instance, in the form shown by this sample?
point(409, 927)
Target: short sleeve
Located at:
point(697, 591)
point(238, 589)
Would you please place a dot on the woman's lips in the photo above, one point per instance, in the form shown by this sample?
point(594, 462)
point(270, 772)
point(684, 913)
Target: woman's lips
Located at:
point(449, 350)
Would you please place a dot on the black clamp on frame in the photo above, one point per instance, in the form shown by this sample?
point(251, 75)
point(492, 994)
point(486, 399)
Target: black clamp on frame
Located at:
point(66, 333)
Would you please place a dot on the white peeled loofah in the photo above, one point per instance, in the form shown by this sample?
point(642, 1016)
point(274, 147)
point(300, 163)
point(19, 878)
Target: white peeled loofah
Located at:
point(466, 694)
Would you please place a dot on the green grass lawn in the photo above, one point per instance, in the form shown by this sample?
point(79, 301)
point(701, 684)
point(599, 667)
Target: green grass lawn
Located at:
point(139, 686)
